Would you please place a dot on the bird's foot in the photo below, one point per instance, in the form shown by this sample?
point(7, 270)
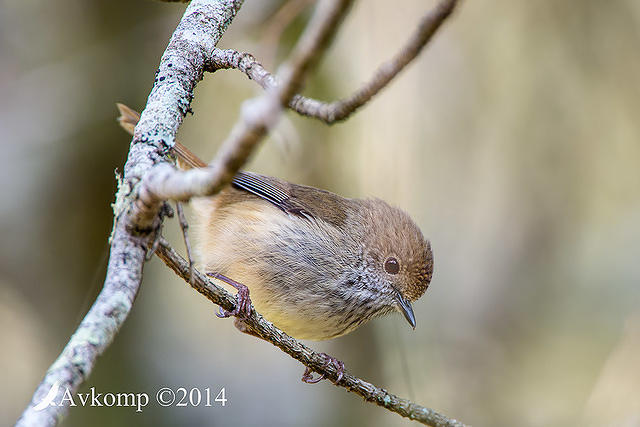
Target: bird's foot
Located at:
point(307, 377)
point(243, 305)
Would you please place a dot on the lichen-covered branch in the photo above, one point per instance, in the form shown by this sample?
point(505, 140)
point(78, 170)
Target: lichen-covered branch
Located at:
point(181, 67)
point(300, 352)
point(331, 112)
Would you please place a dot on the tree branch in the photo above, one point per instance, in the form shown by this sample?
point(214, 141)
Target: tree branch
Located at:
point(340, 110)
point(298, 351)
point(181, 66)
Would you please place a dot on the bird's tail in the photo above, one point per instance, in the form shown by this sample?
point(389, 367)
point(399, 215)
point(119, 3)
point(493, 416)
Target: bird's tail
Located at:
point(186, 159)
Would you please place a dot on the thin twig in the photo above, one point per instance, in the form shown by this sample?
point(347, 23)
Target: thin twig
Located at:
point(184, 226)
point(336, 111)
point(300, 352)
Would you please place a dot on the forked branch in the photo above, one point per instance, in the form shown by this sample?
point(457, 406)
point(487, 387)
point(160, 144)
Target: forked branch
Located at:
point(257, 117)
point(332, 112)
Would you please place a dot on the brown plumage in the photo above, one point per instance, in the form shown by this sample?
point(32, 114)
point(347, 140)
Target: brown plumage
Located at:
point(317, 265)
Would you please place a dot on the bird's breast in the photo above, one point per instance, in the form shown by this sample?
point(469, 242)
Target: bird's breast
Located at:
point(295, 268)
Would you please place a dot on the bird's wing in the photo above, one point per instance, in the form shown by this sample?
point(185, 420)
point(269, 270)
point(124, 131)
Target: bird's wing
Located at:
point(272, 190)
point(300, 200)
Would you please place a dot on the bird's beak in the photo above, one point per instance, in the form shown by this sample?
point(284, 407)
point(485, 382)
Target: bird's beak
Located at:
point(405, 307)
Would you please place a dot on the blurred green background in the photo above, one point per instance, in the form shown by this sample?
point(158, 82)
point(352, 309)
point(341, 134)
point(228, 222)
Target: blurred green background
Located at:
point(513, 140)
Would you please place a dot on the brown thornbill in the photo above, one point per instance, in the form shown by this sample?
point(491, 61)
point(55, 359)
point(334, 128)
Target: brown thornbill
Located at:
point(317, 265)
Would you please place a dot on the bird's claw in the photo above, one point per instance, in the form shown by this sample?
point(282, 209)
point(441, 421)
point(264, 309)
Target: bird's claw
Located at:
point(243, 304)
point(307, 376)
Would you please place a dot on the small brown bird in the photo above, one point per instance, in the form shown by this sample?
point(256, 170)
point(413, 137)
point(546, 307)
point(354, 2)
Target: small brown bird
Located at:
point(317, 265)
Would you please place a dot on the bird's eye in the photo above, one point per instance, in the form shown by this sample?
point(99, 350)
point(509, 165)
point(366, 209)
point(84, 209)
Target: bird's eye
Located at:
point(391, 265)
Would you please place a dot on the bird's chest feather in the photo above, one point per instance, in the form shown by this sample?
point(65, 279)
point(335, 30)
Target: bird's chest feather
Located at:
point(303, 275)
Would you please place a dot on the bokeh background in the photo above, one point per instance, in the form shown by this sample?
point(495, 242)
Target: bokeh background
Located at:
point(514, 141)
